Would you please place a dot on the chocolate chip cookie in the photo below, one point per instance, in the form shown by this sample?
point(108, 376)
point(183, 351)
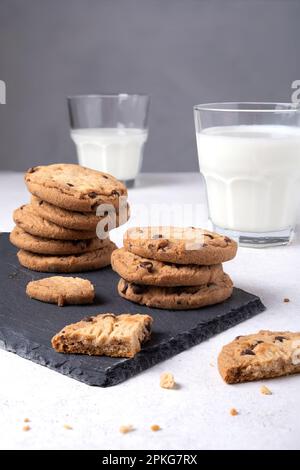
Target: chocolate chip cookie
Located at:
point(139, 270)
point(26, 218)
point(105, 335)
point(75, 220)
point(180, 245)
point(177, 298)
point(67, 264)
point(74, 187)
point(62, 290)
point(263, 355)
point(47, 246)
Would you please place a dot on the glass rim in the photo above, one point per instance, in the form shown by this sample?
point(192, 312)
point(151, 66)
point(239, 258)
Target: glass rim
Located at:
point(108, 95)
point(249, 107)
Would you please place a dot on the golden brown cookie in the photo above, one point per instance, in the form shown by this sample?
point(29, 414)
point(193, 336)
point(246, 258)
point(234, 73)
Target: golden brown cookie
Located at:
point(74, 187)
point(76, 220)
point(47, 246)
point(26, 218)
point(67, 264)
point(105, 335)
point(180, 245)
point(62, 290)
point(134, 268)
point(177, 298)
point(263, 355)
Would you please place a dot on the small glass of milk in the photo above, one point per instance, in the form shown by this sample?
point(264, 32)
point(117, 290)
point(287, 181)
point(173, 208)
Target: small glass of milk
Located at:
point(110, 132)
point(249, 155)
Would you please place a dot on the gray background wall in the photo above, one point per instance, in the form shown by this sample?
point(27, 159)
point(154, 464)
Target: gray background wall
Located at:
point(181, 52)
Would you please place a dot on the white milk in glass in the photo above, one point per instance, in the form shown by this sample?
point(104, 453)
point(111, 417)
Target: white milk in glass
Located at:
point(252, 175)
point(117, 151)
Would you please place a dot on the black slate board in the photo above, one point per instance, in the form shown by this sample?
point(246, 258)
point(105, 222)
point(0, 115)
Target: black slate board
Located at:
point(27, 326)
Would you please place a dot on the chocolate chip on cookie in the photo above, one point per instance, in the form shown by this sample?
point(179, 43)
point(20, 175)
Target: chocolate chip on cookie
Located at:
point(124, 287)
point(147, 265)
point(280, 338)
point(247, 352)
point(31, 170)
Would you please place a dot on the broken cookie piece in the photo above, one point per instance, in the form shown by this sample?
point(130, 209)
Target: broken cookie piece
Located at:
point(265, 390)
point(167, 380)
point(155, 427)
point(105, 335)
point(263, 355)
point(125, 429)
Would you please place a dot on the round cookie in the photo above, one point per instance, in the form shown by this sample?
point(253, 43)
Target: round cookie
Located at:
point(67, 264)
point(180, 245)
point(177, 298)
point(72, 219)
point(134, 268)
point(46, 246)
point(26, 218)
point(74, 187)
point(62, 290)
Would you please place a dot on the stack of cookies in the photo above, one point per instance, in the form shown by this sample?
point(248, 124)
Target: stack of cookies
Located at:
point(174, 268)
point(56, 232)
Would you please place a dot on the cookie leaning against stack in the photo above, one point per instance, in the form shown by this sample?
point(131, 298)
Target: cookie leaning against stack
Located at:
point(56, 232)
point(173, 267)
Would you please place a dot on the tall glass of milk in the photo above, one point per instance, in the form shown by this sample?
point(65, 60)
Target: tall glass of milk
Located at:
point(249, 155)
point(110, 132)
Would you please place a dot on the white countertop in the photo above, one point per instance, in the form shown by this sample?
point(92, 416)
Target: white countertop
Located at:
point(196, 415)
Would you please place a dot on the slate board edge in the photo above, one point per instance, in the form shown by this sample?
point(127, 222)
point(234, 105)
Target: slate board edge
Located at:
point(121, 372)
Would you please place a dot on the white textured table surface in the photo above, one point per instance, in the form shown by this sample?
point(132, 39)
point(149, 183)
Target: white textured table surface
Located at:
point(196, 416)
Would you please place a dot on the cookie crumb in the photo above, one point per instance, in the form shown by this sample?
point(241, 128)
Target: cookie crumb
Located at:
point(265, 390)
point(155, 427)
point(286, 300)
point(26, 420)
point(167, 380)
point(67, 426)
point(126, 429)
point(26, 428)
point(234, 412)
point(211, 364)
